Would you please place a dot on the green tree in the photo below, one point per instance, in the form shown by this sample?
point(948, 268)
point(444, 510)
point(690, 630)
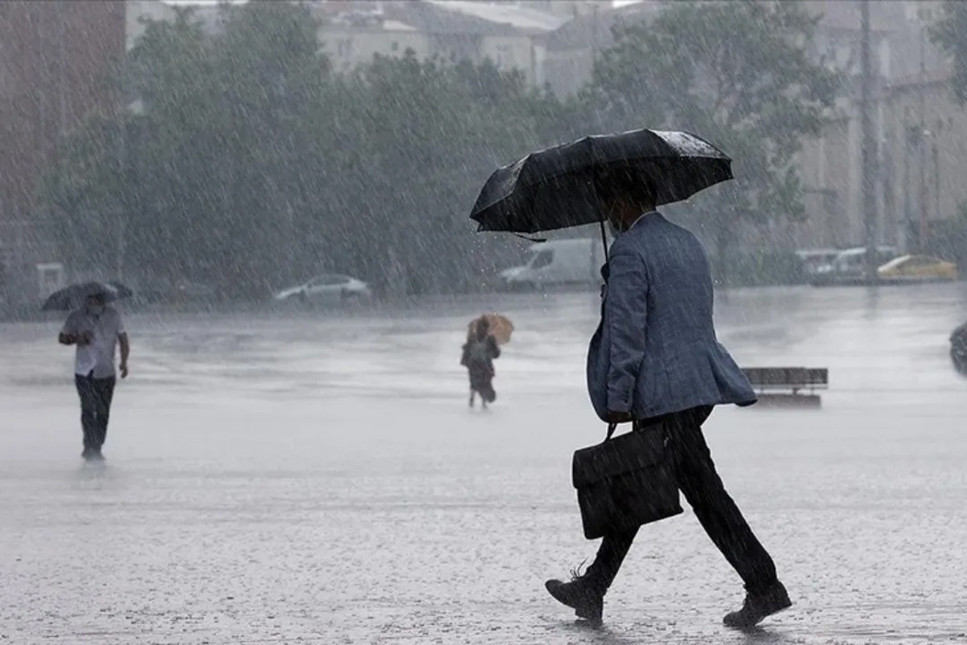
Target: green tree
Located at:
point(418, 140)
point(252, 165)
point(948, 32)
point(211, 181)
point(81, 194)
point(737, 73)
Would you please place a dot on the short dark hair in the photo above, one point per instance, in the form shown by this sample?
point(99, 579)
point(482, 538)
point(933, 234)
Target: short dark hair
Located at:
point(622, 183)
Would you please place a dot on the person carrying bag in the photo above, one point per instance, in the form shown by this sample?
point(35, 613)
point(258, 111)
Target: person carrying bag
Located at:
point(655, 362)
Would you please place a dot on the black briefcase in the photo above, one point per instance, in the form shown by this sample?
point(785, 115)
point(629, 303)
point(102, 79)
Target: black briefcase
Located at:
point(626, 481)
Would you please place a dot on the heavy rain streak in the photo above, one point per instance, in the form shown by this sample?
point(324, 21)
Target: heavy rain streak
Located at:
point(483, 321)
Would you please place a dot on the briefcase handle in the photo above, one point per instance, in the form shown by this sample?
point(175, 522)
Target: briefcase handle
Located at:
point(611, 428)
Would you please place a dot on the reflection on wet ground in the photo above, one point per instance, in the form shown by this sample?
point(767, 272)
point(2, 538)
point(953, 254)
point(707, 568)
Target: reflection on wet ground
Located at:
point(315, 477)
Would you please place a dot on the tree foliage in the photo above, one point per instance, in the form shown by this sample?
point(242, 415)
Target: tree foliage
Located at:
point(250, 164)
point(737, 73)
point(949, 32)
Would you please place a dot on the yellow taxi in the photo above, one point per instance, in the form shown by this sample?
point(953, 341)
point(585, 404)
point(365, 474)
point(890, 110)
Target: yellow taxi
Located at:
point(917, 268)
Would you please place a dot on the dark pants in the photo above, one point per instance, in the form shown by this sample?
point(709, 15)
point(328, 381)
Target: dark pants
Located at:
point(482, 382)
point(96, 395)
point(713, 507)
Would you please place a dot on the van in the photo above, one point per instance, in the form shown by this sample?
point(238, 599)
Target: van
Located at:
point(558, 263)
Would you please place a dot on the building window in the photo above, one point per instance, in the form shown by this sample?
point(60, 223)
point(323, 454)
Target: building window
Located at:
point(395, 46)
point(542, 259)
point(504, 59)
point(344, 47)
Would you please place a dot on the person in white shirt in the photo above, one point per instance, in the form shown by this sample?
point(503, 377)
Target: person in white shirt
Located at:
point(96, 329)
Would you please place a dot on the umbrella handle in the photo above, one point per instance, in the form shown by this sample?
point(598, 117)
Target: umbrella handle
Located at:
point(604, 233)
point(604, 240)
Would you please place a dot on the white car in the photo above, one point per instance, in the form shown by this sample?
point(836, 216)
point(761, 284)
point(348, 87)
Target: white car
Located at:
point(327, 288)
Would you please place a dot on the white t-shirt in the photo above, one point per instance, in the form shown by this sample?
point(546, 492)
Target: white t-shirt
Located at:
point(97, 358)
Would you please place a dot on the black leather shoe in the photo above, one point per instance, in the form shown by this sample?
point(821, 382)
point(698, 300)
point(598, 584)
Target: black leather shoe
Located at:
point(580, 596)
point(759, 605)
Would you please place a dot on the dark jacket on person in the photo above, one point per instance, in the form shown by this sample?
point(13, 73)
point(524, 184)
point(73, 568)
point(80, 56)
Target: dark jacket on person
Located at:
point(655, 351)
point(478, 356)
point(958, 348)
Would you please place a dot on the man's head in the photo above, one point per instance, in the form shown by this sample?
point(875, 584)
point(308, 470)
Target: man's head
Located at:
point(624, 197)
point(483, 327)
point(95, 302)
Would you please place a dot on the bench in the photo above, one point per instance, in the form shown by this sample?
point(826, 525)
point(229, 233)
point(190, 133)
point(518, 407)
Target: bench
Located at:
point(786, 384)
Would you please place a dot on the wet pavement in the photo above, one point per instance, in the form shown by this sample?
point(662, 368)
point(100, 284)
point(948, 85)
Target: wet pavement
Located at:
point(306, 477)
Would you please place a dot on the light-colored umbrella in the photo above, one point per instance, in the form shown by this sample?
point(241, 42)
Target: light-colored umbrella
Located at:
point(500, 327)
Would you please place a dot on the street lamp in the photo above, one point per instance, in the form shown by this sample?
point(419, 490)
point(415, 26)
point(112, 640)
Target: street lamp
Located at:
point(924, 17)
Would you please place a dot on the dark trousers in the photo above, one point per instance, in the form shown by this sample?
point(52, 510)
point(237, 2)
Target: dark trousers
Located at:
point(715, 510)
point(482, 382)
point(96, 395)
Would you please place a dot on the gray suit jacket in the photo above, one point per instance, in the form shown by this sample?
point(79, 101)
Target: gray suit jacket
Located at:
point(655, 351)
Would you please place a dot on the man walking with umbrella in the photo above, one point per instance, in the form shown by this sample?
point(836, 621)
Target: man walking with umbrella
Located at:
point(655, 359)
point(96, 329)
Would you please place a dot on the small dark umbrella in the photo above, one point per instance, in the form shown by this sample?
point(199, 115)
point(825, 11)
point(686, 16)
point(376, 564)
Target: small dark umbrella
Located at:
point(73, 296)
point(555, 188)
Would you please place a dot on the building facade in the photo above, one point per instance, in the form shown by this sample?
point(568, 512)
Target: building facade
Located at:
point(920, 131)
point(509, 35)
point(56, 62)
point(924, 157)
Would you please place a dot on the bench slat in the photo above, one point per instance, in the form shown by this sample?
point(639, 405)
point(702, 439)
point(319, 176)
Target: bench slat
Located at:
point(788, 378)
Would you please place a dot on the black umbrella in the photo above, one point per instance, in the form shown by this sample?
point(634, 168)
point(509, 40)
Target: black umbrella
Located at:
point(73, 296)
point(555, 188)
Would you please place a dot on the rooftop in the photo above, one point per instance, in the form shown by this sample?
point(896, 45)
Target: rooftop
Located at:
point(595, 28)
point(428, 16)
point(522, 18)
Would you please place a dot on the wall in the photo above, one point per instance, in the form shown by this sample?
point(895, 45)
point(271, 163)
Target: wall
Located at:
point(348, 46)
point(56, 62)
point(512, 52)
point(928, 152)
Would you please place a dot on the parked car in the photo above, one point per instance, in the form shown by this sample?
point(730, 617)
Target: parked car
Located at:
point(917, 268)
point(327, 288)
point(558, 262)
point(849, 266)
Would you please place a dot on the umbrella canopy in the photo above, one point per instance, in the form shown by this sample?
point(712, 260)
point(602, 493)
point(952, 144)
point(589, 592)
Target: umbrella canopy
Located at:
point(73, 296)
point(555, 188)
point(500, 327)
